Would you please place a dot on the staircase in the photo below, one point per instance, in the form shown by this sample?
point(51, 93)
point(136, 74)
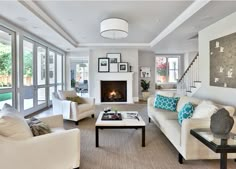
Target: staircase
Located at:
point(189, 82)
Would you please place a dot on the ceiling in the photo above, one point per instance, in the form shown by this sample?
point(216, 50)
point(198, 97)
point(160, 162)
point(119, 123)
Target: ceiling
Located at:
point(79, 21)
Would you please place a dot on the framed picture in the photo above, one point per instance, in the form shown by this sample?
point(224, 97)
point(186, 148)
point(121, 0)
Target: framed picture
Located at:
point(113, 67)
point(145, 72)
point(103, 64)
point(114, 57)
point(123, 67)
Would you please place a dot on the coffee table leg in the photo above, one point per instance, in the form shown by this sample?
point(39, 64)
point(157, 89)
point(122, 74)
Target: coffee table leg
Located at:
point(143, 136)
point(97, 136)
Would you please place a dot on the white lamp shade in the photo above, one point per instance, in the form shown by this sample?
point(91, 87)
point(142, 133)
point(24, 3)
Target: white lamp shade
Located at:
point(114, 28)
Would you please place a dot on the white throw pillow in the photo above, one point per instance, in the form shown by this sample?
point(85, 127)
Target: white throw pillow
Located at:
point(205, 109)
point(12, 125)
point(64, 94)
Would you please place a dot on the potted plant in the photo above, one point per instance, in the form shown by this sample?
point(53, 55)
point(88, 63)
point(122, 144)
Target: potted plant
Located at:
point(145, 86)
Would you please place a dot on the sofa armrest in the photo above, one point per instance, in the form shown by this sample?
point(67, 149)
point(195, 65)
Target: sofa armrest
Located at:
point(189, 144)
point(88, 100)
point(54, 121)
point(54, 150)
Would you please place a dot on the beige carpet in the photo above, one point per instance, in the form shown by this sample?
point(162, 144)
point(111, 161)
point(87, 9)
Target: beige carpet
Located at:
point(121, 149)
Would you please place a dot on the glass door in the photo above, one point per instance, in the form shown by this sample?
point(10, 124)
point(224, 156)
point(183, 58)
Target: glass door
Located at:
point(28, 93)
point(41, 99)
point(51, 74)
point(7, 67)
point(33, 95)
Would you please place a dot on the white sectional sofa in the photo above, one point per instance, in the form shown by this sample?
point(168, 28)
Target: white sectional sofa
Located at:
point(188, 146)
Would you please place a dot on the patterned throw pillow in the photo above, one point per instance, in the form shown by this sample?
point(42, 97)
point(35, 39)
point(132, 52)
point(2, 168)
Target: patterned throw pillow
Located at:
point(186, 112)
point(38, 127)
point(167, 103)
point(74, 99)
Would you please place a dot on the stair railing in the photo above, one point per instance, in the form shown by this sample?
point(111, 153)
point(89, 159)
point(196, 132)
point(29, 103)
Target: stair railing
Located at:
point(189, 78)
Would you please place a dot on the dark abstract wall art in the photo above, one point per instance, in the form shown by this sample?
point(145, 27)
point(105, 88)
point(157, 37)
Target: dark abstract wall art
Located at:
point(223, 61)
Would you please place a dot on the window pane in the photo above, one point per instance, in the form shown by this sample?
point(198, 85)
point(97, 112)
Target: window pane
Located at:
point(51, 91)
point(28, 49)
point(173, 75)
point(161, 67)
point(59, 68)
point(5, 98)
point(28, 98)
point(173, 63)
point(59, 87)
point(41, 96)
point(5, 60)
point(41, 58)
point(51, 61)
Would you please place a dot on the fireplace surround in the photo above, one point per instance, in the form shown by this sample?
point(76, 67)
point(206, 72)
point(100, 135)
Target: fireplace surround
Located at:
point(119, 76)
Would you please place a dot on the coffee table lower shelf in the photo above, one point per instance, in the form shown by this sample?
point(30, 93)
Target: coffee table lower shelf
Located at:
point(120, 127)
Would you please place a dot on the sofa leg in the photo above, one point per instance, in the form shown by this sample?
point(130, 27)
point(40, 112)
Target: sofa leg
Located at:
point(77, 123)
point(92, 115)
point(149, 119)
point(180, 159)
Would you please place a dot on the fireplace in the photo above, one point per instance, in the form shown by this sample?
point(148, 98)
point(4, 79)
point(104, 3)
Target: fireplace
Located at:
point(113, 91)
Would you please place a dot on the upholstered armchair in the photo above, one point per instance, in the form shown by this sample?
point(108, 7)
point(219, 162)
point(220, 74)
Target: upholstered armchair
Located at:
point(72, 110)
point(59, 149)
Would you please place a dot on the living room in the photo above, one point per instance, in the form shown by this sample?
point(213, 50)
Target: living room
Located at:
point(82, 84)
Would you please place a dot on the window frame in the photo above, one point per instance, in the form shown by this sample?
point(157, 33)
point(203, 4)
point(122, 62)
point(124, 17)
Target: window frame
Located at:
point(167, 72)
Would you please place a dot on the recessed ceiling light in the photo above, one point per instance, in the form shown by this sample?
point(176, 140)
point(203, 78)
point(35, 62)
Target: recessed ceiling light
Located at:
point(35, 27)
point(22, 19)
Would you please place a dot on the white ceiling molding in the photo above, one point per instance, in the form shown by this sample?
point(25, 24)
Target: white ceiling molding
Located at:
point(36, 10)
point(114, 44)
point(190, 11)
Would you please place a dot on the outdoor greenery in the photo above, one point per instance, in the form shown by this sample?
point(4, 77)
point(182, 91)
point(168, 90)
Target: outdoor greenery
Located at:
point(5, 59)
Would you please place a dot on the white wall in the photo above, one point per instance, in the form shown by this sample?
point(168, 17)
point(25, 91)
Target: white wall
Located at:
point(221, 28)
point(127, 55)
point(147, 59)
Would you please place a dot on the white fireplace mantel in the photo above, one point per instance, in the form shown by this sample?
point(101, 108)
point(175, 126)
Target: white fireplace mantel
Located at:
point(126, 76)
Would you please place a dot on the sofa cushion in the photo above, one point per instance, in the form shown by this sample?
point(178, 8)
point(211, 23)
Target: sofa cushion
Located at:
point(167, 103)
point(161, 115)
point(13, 125)
point(64, 94)
point(185, 99)
point(205, 109)
point(186, 112)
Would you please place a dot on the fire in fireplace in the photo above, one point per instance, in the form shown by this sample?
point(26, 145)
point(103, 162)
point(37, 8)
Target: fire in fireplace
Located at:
point(113, 91)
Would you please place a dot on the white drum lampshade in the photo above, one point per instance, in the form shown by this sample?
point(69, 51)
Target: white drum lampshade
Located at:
point(114, 28)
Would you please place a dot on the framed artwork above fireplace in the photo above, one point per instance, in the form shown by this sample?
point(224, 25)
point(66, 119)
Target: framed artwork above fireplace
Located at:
point(103, 65)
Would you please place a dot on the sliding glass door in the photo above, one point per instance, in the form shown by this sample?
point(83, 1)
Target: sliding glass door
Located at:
point(7, 67)
point(34, 77)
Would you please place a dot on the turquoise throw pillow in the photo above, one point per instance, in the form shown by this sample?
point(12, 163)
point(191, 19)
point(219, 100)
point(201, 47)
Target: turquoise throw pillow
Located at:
point(167, 103)
point(186, 112)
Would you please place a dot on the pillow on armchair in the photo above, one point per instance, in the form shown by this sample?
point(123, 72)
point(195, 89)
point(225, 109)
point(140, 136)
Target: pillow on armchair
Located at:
point(13, 125)
point(64, 94)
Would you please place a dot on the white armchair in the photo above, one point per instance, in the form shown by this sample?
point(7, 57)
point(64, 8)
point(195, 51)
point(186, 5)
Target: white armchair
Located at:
point(59, 149)
point(72, 110)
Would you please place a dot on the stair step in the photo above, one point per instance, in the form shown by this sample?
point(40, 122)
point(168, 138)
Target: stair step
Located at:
point(188, 91)
point(193, 86)
point(197, 81)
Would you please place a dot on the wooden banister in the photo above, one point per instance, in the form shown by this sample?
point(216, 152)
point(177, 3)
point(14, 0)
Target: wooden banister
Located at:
point(185, 72)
